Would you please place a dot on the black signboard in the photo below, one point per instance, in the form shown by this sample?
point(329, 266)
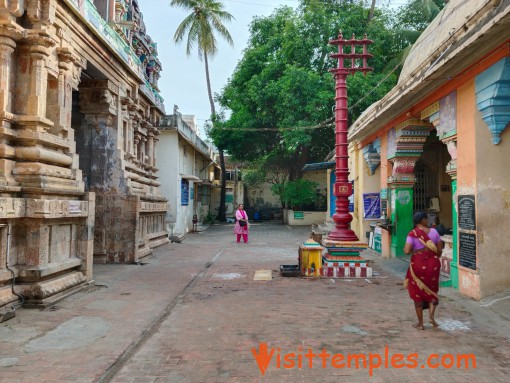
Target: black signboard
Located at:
point(467, 250)
point(467, 216)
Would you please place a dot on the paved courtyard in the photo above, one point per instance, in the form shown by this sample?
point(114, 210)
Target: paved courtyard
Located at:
point(193, 313)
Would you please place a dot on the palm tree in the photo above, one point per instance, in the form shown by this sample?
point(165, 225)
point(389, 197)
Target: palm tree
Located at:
point(199, 28)
point(413, 18)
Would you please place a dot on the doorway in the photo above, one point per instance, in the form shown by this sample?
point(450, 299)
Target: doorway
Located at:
point(432, 189)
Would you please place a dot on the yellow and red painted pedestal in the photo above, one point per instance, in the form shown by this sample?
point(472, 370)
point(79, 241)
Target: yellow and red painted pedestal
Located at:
point(343, 260)
point(310, 259)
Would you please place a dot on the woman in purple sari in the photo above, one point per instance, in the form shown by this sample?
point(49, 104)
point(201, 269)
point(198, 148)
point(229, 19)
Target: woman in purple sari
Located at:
point(422, 279)
point(241, 226)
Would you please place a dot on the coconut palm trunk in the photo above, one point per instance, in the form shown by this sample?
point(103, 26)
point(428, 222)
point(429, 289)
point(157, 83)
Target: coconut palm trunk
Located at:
point(221, 210)
point(199, 26)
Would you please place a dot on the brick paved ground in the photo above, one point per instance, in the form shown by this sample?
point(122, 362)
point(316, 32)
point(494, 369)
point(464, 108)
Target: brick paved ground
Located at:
point(216, 314)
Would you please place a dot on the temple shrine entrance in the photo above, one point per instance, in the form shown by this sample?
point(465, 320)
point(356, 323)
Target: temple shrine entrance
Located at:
point(433, 195)
point(432, 189)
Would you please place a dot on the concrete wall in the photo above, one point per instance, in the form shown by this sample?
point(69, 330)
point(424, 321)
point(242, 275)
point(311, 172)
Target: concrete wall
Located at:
point(309, 218)
point(263, 196)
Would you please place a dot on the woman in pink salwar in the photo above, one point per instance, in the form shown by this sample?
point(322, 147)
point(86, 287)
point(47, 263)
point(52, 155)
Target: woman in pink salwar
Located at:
point(241, 226)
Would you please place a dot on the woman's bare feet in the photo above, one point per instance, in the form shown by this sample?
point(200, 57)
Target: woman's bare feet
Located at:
point(419, 326)
point(433, 322)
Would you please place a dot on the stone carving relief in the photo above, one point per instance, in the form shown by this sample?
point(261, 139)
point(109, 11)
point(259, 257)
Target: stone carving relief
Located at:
point(41, 11)
point(15, 7)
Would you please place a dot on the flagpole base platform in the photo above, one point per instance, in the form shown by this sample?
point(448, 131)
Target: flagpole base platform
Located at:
point(343, 260)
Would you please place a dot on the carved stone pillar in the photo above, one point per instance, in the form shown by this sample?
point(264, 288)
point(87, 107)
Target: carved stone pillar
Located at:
point(115, 220)
point(136, 141)
point(60, 93)
point(98, 102)
point(156, 140)
point(33, 77)
point(127, 116)
point(150, 154)
point(44, 160)
point(7, 45)
point(9, 34)
point(143, 152)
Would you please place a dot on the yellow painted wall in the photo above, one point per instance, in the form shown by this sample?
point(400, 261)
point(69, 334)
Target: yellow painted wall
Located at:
point(367, 184)
point(354, 174)
point(384, 173)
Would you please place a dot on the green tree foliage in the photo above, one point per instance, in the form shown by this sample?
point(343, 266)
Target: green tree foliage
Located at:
point(282, 92)
point(417, 14)
point(296, 194)
point(283, 84)
point(253, 178)
point(409, 22)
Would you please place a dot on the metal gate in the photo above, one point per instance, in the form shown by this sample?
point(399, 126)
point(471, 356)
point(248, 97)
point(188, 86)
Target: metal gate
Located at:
point(425, 188)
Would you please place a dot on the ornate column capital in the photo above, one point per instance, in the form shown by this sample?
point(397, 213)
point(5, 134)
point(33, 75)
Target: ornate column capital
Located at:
point(405, 145)
point(12, 30)
point(39, 40)
point(98, 97)
point(403, 171)
point(65, 57)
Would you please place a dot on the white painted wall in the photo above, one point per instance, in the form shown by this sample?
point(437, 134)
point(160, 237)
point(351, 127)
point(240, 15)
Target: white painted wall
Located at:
point(167, 153)
point(178, 159)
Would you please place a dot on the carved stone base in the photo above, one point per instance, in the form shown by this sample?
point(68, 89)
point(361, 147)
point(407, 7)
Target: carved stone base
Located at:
point(143, 252)
point(44, 293)
point(6, 296)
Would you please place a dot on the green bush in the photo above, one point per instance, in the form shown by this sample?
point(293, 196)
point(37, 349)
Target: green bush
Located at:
point(299, 193)
point(209, 219)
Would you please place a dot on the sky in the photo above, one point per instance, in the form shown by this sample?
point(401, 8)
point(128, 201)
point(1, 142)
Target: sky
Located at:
point(182, 79)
